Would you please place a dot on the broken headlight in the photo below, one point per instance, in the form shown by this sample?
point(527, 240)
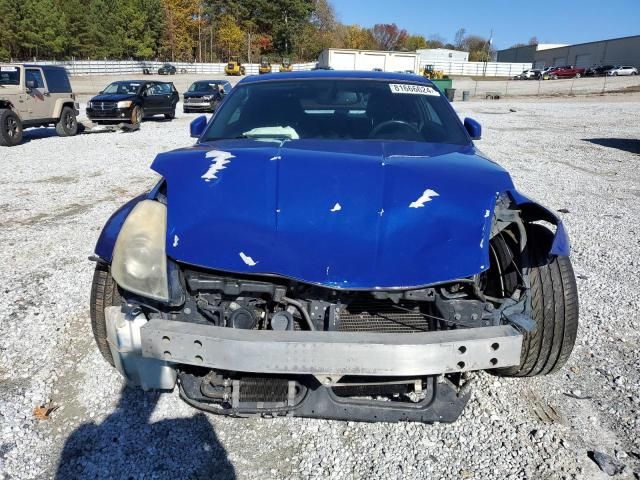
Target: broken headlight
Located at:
point(139, 258)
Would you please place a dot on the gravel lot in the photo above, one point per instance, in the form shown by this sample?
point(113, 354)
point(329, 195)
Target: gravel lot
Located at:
point(581, 156)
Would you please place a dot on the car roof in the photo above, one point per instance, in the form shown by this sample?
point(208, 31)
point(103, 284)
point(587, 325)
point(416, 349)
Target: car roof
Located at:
point(338, 75)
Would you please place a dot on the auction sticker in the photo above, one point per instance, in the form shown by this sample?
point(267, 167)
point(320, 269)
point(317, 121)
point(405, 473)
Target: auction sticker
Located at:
point(413, 89)
point(8, 69)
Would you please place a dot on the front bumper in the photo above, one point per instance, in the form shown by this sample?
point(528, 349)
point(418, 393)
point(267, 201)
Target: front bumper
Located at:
point(155, 354)
point(331, 354)
point(326, 355)
point(198, 106)
point(114, 114)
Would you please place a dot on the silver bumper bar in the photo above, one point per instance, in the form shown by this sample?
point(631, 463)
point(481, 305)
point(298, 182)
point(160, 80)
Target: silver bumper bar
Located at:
point(331, 354)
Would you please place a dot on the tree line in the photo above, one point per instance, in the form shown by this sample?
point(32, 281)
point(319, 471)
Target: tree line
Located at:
point(197, 30)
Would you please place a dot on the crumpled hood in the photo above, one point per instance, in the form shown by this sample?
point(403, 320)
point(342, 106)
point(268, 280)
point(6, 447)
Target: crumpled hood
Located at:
point(113, 97)
point(353, 215)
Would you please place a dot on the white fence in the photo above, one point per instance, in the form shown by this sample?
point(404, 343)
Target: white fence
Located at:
point(119, 67)
point(479, 69)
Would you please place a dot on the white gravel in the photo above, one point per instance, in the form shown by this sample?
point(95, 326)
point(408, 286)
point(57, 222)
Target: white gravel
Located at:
point(57, 193)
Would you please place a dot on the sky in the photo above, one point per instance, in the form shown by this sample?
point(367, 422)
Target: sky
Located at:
point(512, 21)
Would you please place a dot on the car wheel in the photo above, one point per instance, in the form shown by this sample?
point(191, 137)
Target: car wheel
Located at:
point(554, 308)
point(577, 75)
point(171, 115)
point(634, 73)
point(615, 74)
point(137, 114)
point(10, 128)
point(104, 293)
point(67, 126)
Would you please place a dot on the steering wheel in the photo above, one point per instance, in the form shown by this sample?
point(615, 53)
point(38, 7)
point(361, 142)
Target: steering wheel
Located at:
point(396, 123)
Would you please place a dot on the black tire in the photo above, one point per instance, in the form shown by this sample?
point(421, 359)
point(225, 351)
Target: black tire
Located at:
point(67, 126)
point(137, 114)
point(171, 115)
point(554, 308)
point(104, 293)
point(10, 128)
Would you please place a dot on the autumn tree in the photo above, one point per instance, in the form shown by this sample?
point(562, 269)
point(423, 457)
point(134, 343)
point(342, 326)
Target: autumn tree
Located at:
point(229, 35)
point(388, 36)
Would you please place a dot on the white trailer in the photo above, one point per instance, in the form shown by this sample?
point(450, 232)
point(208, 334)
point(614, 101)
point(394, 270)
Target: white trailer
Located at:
point(367, 60)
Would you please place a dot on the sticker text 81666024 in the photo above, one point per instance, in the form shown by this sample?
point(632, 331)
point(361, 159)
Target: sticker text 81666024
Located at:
point(413, 89)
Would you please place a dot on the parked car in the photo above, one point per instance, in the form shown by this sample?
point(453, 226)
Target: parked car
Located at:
point(167, 69)
point(35, 96)
point(529, 74)
point(623, 70)
point(598, 71)
point(130, 101)
point(544, 73)
point(568, 71)
point(205, 95)
point(346, 255)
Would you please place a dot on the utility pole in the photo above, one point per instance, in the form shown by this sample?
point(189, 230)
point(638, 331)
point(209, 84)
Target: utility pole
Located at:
point(200, 33)
point(249, 46)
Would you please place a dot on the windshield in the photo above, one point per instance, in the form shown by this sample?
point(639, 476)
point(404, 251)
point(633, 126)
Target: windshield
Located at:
point(337, 109)
point(204, 87)
point(9, 75)
point(128, 88)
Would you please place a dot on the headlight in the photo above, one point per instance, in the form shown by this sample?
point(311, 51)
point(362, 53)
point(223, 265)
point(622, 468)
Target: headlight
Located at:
point(89, 105)
point(139, 258)
point(124, 104)
point(207, 98)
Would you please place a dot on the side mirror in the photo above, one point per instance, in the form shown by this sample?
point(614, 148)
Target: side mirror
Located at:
point(197, 126)
point(474, 129)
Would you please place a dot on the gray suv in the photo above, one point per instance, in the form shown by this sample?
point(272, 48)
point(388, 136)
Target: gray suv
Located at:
point(35, 96)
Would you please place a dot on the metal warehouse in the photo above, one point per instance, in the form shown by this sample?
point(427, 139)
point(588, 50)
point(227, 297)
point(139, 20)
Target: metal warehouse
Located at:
point(617, 51)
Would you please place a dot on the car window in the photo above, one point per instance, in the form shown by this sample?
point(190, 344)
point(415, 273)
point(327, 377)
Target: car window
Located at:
point(163, 89)
point(123, 88)
point(9, 75)
point(338, 109)
point(35, 76)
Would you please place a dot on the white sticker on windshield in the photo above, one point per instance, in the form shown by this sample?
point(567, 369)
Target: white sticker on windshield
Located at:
point(413, 89)
point(8, 69)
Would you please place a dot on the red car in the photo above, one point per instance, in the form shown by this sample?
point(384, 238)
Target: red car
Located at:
point(568, 71)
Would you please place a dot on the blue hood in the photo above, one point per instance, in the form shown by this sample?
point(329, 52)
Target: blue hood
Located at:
point(353, 215)
point(113, 97)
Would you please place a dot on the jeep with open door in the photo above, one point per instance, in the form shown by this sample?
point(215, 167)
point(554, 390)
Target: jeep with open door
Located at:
point(35, 96)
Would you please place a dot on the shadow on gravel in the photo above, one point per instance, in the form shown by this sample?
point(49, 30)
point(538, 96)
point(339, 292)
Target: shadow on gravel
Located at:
point(626, 144)
point(37, 134)
point(127, 445)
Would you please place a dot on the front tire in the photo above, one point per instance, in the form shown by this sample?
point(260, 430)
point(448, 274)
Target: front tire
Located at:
point(171, 115)
point(67, 126)
point(10, 128)
point(136, 115)
point(554, 308)
point(104, 293)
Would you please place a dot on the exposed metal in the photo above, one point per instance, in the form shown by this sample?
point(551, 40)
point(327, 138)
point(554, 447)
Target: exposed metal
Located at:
point(332, 353)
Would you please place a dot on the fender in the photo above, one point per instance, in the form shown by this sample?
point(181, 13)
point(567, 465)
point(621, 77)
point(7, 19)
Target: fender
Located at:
point(533, 211)
point(111, 230)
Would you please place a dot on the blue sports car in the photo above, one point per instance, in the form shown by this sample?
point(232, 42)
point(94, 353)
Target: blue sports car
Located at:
point(332, 246)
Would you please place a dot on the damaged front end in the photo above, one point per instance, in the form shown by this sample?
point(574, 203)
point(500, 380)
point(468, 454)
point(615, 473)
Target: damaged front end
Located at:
point(239, 344)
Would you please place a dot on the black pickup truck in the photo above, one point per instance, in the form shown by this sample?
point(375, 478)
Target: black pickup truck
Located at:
point(132, 100)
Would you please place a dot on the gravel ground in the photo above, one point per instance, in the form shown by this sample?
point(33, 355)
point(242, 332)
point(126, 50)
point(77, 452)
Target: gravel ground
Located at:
point(578, 156)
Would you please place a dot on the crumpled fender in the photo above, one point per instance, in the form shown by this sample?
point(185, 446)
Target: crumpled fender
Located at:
point(533, 211)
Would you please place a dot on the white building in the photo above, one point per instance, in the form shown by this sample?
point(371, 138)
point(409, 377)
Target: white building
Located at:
point(438, 55)
point(348, 59)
